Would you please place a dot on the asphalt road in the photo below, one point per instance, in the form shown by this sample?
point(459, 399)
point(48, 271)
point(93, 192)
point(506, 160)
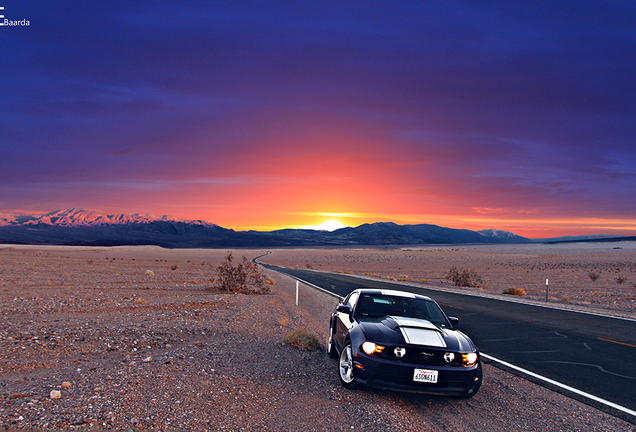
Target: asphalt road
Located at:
point(591, 353)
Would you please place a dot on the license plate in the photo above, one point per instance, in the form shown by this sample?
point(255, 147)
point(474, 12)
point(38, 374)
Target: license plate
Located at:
point(425, 375)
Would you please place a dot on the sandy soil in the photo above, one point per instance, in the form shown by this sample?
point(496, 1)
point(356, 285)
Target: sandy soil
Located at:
point(132, 338)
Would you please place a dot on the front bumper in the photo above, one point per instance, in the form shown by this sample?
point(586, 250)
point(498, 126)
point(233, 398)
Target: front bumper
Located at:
point(395, 375)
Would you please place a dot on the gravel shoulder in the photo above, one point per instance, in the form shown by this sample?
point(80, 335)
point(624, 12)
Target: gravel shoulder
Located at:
point(129, 349)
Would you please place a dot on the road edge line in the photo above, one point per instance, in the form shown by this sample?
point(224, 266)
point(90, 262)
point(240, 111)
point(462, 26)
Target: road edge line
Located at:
point(562, 386)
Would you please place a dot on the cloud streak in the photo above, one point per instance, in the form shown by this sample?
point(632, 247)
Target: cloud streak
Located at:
point(251, 114)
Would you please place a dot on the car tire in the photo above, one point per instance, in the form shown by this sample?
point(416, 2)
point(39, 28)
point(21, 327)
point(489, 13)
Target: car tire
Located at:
point(331, 348)
point(345, 368)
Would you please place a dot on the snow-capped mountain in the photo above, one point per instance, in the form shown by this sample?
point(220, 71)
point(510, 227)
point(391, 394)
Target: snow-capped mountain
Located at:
point(79, 217)
point(504, 236)
point(6, 219)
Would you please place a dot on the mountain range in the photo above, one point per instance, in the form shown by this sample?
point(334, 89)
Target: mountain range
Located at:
point(95, 228)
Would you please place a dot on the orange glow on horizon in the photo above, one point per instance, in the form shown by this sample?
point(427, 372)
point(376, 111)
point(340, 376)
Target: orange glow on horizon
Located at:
point(530, 228)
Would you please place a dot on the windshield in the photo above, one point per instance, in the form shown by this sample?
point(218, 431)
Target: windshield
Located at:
point(379, 305)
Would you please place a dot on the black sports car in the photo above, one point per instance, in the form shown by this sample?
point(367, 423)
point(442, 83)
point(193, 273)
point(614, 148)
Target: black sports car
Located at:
point(402, 341)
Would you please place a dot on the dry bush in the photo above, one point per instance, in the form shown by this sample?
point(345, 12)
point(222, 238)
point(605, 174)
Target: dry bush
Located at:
point(302, 340)
point(621, 280)
point(174, 267)
point(566, 299)
point(246, 277)
point(515, 291)
point(464, 277)
point(403, 278)
point(593, 276)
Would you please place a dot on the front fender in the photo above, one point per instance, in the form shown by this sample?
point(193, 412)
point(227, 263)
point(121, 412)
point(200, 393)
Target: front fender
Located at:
point(357, 338)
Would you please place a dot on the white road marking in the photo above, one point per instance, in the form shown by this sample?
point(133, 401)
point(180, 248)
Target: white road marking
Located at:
point(563, 386)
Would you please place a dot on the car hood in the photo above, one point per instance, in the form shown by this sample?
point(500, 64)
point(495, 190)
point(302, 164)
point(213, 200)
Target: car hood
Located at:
point(391, 330)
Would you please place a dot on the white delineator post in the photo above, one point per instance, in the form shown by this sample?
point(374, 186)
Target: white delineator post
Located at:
point(296, 293)
point(547, 291)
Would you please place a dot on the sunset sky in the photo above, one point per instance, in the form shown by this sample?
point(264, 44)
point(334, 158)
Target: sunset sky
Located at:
point(516, 115)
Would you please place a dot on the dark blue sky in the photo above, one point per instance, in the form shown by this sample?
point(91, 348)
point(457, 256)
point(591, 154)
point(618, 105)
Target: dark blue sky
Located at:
point(512, 115)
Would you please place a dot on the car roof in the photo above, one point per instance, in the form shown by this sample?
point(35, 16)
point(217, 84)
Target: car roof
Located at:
point(391, 292)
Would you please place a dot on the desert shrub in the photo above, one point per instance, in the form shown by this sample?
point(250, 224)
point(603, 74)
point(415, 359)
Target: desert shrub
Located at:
point(566, 299)
point(302, 340)
point(515, 291)
point(403, 278)
point(621, 280)
point(593, 276)
point(464, 277)
point(246, 277)
point(174, 267)
point(308, 266)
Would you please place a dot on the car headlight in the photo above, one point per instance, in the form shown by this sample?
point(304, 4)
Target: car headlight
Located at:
point(470, 359)
point(371, 348)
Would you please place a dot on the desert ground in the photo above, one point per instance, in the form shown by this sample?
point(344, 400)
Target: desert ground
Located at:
point(135, 338)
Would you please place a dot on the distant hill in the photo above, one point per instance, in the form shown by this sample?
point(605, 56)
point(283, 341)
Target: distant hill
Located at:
point(91, 227)
point(596, 238)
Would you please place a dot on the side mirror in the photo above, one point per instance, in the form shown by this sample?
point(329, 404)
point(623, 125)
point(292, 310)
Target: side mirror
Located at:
point(344, 309)
point(454, 321)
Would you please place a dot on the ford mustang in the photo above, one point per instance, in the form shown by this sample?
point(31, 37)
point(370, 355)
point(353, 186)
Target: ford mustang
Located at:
point(401, 341)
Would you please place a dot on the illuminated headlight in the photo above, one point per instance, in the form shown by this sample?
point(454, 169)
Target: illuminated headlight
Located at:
point(470, 358)
point(371, 348)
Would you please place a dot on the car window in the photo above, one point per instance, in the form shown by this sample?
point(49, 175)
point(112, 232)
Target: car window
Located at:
point(352, 300)
point(376, 305)
point(435, 313)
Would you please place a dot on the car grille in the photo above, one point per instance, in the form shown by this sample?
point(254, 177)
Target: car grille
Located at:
point(389, 381)
point(422, 356)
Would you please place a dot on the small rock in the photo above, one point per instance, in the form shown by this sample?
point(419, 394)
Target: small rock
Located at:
point(147, 359)
point(150, 273)
point(56, 394)
point(66, 384)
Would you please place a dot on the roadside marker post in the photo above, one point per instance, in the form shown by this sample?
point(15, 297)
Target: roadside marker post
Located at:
point(296, 292)
point(547, 291)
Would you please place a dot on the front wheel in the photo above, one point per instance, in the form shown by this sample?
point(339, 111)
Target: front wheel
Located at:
point(345, 368)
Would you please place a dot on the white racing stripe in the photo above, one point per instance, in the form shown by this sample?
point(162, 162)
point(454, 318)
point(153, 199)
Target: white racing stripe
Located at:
point(563, 386)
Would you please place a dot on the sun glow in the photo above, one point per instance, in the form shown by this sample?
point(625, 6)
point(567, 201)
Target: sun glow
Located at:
point(330, 225)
